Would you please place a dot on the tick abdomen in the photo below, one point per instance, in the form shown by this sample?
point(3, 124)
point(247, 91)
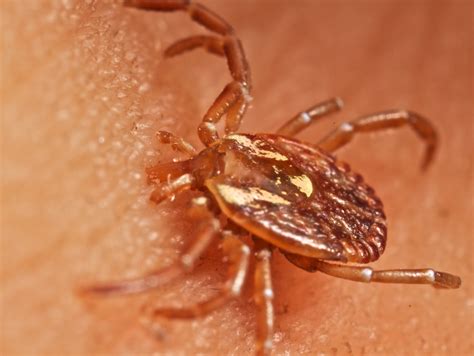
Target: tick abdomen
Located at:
point(299, 198)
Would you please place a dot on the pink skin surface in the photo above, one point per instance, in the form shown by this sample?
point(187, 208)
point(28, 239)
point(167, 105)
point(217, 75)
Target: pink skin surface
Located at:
point(84, 88)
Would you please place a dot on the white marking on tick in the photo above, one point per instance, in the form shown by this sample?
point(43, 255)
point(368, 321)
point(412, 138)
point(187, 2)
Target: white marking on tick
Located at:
point(248, 196)
point(257, 151)
point(268, 293)
point(303, 183)
point(305, 117)
point(367, 274)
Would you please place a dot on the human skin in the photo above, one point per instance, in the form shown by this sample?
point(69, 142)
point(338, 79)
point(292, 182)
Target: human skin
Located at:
point(84, 88)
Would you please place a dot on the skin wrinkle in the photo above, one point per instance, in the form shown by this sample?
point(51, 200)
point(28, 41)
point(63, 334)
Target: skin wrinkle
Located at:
point(75, 200)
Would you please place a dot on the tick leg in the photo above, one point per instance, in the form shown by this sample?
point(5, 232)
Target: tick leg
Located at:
point(410, 276)
point(305, 118)
point(234, 100)
point(177, 143)
point(175, 186)
point(212, 44)
point(264, 301)
point(381, 121)
point(207, 231)
point(238, 255)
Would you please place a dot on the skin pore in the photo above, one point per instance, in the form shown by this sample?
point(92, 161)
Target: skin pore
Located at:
point(84, 88)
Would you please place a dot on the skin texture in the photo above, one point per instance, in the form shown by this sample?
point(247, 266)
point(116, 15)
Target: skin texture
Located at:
point(84, 88)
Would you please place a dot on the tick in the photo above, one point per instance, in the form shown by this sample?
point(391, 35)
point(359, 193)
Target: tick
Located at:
point(261, 193)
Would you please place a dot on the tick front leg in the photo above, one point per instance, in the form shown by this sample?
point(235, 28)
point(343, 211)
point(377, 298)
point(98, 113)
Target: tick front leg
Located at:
point(305, 118)
point(409, 276)
point(264, 301)
point(211, 44)
point(382, 121)
point(234, 100)
point(208, 229)
point(238, 256)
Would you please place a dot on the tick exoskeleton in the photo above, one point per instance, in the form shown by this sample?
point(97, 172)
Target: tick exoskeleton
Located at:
point(286, 195)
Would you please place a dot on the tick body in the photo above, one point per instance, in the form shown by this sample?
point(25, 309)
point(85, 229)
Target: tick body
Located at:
point(286, 195)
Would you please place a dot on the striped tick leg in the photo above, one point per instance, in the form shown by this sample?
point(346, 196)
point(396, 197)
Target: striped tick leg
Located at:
point(238, 255)
point(409, 276)
point(233, 101)
point(382, 121)
point(305, 118)
point(264, 301)
point(208, 229)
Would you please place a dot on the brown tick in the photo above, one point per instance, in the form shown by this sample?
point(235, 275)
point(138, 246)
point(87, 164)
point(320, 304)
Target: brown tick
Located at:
point(286, 195)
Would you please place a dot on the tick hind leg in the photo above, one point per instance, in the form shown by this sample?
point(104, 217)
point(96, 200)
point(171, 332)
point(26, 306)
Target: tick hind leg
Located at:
point(238, 255)
point(382, 121)
point(264, 301)
point(233, 101)
point(306, 118)
point(207, 231)
point(409, 276)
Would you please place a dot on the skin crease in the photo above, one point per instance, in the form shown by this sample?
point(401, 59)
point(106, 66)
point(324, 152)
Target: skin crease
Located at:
point(84, 87)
